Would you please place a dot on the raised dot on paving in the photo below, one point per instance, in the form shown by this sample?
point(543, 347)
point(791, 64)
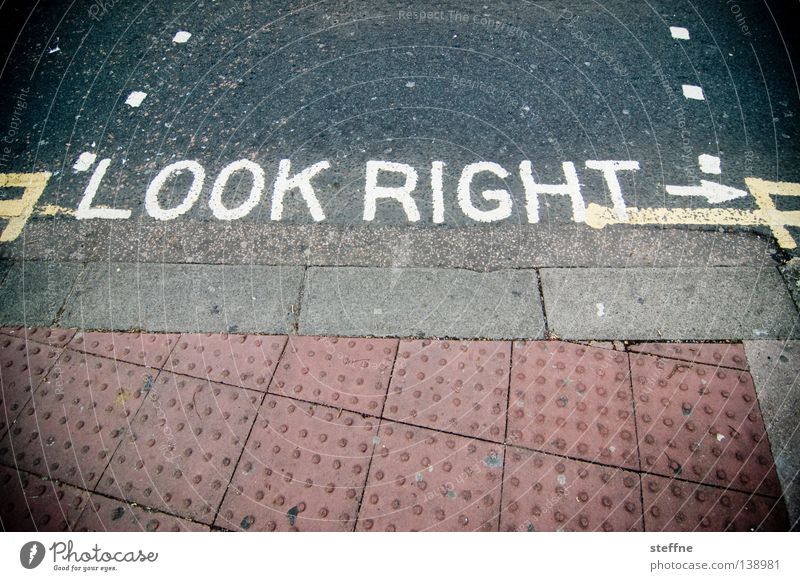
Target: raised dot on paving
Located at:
point(722, 354)
point(547, 493)
point(701, 423)
point(572, 400)
point(677, 506)
point(454, 386)
point(421, 480)
point(243, 360)
point(149, 349)
point(183, 446)
point(303, 469)
point(30, 503)
point(76, 418)
point(351, 374)
point(111, 515)
point(23, 365)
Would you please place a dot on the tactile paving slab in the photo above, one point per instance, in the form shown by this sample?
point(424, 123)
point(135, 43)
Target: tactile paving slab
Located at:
point(23, 365)
point(722, 354)
point(243, 360)
point(421, 480)
point(351, 374)
point(183, 446)
point(675, 505)
point(304, 468)
point(30, 503)
point(701, 423)
point(573, 400)
point(111, 515)
point(149, 349)
point(454, 386)
point(547, 493)
point(49, 336)
point(76, 418)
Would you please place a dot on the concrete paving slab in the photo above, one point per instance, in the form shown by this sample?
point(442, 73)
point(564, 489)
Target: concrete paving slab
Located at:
point(421, 303)
point(75, 419)
point(111, 515)
point(163, 297)
point(34, 504)
point(182, 447)
point(668, 303)
point(775, 366)
point(23, 366)
point(671, 505)
point(350, 374)
point(546, 493)
point(303, 469)
point(572, 400)
point(459, 387)
point(719, 354)
point(424, 480)
point(241, 360)
point(32, 293)
point(701, 423)
point(148, 349)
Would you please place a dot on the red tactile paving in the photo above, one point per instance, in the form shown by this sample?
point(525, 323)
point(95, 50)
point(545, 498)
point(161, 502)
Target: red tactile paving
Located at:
point(422, 480)
point(304, 468)
point(76, 418)
point(53, 337)
point(183, 446)
point(111, 515)
point(674, 505)
point(546, 493)
point(30, 503)
point(723, 354)
point(22, 367)
point(573, 400)
point(701, 423)
point(455, 386)
point(243, 360)
point(159, 433)
point(149, 349)
point(351, 374)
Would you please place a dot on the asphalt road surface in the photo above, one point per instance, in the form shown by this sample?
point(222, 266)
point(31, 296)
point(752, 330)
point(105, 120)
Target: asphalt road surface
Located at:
point(446, 115)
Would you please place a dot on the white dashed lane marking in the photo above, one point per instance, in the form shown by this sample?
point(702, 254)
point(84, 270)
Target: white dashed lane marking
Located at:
point(693, 92)
point(135, 98)
point(679, 32)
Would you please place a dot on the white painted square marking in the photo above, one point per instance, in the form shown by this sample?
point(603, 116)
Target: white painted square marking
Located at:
point(679, 32)
point(693, 92)
point(84, 161)
point(135, 99)
point(181, 36)
point(710, 164)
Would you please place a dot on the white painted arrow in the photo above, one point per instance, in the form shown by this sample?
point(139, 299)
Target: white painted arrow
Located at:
point(713, 192)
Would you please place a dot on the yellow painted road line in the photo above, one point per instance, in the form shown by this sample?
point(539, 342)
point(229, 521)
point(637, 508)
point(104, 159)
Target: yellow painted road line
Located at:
point(766, 215)
point(52, 210)
point(763, 191)
point(18, 211)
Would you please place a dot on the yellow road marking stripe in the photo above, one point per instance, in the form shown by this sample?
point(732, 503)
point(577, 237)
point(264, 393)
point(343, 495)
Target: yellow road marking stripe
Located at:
point(18, 211)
